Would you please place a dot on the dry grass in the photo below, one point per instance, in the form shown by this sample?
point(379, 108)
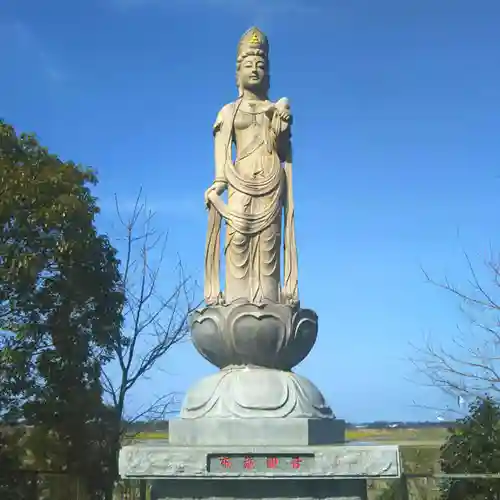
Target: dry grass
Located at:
point(148, 435)
point(427, 436)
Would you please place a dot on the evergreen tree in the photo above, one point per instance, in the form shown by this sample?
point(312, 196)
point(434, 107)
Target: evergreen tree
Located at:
point(61, 299)
point(473, 447)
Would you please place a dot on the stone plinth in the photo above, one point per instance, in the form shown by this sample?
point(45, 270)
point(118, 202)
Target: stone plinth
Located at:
point(336, 471)
point(256, 432)
point(252, 392)
point(162, 460)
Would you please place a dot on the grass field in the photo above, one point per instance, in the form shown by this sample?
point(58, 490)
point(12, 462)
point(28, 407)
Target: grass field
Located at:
point(431, 436)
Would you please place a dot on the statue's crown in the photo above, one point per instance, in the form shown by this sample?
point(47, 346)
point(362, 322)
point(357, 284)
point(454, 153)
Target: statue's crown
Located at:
point(253, 39)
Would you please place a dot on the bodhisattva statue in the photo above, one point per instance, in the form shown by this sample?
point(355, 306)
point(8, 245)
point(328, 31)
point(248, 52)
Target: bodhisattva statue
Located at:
point(259, 185)
point(255, 330)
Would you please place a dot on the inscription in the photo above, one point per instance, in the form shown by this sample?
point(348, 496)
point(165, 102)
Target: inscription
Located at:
point(260, 463)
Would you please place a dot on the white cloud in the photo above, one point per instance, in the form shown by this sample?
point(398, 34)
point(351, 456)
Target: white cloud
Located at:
point(25, 46)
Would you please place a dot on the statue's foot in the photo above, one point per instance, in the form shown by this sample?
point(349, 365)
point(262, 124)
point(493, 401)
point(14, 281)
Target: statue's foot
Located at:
point(254, 392)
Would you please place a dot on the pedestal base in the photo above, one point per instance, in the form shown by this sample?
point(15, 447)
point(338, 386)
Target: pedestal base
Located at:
point(337, 472)
point(157, 459)
point(297, 489)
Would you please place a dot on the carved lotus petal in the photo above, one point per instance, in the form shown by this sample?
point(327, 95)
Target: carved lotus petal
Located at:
point(206, 396)
point(259, 390)
point(305, 332)
point(207, 333)
point(258, 335)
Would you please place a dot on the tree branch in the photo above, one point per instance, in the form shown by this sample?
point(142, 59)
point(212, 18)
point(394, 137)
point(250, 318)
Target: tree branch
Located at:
point(470, 367)
point(154, 323)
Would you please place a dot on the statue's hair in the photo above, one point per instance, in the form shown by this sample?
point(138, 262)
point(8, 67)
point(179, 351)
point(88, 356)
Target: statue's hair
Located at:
point(240, 59)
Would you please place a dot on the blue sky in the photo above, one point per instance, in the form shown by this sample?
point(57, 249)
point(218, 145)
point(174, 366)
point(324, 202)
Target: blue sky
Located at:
point(397, 112)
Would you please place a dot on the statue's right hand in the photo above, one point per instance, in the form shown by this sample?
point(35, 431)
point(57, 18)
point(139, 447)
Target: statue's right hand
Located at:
point(218, 187)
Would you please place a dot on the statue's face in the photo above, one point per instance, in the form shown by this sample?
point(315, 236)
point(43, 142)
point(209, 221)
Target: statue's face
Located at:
point(252, 71)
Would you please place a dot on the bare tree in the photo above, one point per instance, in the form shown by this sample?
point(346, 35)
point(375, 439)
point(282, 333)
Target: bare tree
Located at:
point(469, 367)
point(154, 322)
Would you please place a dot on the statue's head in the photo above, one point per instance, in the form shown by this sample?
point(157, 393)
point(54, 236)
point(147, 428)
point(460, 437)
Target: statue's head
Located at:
point(252, 63)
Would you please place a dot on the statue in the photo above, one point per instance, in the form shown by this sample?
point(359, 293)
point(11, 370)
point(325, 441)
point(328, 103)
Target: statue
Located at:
point(259, 189)
point(254, 330)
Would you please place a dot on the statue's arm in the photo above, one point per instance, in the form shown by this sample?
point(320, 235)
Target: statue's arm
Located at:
point(284, 131)
point(285, 143)
point(222, 131)
point(222, 143)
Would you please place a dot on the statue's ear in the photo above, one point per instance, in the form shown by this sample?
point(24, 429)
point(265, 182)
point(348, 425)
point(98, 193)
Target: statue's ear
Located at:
point(238, 84)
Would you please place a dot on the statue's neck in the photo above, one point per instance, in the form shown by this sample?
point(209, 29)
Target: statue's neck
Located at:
point(250, 95)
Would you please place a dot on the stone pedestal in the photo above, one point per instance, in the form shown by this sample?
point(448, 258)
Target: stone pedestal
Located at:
point(335, 471)
point(255, 429)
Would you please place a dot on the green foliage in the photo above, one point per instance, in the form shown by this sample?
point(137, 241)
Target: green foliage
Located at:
point(396, 490)
point(10, 481)
point(15, 484)
point(473, 447)
point(61, 299)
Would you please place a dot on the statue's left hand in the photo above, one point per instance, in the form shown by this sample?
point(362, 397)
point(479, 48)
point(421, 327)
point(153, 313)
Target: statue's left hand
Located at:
point(283, 108)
